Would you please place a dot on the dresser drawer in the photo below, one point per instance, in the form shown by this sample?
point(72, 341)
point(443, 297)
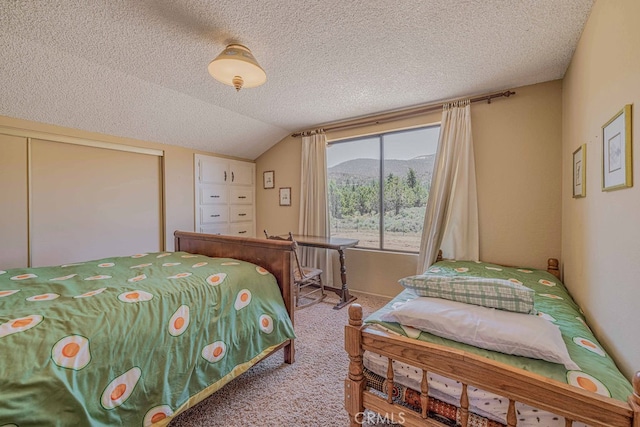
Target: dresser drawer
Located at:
point(214, 214)
point(241, 229)
point(241, 196)
point(215, 229)
point(240, 213)
point(212, 194)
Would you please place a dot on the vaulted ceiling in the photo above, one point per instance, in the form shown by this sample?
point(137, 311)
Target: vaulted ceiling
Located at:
point(138, 68)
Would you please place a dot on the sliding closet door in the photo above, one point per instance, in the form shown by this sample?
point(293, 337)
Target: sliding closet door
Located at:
point(13, 202)
point(90, 203)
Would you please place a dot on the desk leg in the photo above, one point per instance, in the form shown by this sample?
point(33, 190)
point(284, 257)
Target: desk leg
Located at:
point(345, 297)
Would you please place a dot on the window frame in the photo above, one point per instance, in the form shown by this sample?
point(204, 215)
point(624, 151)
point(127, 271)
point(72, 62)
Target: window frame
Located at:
point(381, 187)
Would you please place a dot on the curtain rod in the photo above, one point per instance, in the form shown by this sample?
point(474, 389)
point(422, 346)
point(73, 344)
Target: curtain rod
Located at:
point(396, 115)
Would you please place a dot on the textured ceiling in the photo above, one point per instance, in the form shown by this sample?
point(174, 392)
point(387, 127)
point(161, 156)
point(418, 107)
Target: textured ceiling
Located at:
point(138, 68)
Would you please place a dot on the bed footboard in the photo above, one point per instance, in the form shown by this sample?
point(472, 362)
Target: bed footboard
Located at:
point(512, 383)
point(275, 256)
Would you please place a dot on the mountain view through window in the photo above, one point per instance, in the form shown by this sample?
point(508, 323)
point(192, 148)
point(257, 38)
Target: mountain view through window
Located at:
point(388, 173)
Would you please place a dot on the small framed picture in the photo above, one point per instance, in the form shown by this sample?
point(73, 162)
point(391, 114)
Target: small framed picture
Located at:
point(268, 179)
point(285, 196)
point(579, 177)
point(616, 151)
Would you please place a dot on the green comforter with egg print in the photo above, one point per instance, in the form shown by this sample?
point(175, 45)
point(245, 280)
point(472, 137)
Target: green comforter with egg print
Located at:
point(130, 340)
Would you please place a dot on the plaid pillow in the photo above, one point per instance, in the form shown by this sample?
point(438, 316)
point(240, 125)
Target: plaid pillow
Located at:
point(488, 292)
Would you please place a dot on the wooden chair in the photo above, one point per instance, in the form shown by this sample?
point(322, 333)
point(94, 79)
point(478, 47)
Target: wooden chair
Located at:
point(303, 277)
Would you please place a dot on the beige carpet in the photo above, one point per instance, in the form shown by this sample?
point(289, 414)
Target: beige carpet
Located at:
point(306, 393)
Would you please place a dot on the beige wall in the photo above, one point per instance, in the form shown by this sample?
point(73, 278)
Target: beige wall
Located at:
point(601, 233)
point(179, 187)
point(517, 146)
point(518, 159)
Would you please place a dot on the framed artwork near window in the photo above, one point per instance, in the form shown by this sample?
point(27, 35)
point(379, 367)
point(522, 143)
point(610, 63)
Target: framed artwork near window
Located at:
point(616, 151)
point(285, 196)
point(579, 172)
point(269, 179)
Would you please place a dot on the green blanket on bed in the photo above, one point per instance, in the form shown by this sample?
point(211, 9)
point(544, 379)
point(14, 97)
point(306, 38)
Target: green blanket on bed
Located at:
point(129, 340)
point(598, 371)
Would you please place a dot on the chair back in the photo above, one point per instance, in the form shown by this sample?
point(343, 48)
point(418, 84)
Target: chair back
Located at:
point(298, 266)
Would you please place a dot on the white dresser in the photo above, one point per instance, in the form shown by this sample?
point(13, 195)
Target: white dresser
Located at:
point(225, 196)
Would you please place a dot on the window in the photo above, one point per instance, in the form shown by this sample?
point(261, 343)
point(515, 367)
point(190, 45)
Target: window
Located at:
point(388, 173)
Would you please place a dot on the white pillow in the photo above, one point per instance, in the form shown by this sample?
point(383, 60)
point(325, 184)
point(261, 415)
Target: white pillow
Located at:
point(488, 328)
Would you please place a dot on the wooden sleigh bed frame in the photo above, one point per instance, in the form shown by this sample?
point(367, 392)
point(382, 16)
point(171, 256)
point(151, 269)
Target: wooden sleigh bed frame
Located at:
point(515, 384)
point(275, 256)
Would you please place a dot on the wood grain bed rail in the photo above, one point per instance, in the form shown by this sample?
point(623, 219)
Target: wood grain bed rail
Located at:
point(515, 384)
point(275, 256)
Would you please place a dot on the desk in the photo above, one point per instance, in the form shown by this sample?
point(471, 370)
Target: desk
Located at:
point(338, 244)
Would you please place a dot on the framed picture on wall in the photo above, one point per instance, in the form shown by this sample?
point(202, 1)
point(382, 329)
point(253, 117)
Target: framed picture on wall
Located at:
point(616, 151)
point(285, 196)
point(269, 179)
point(579, 172)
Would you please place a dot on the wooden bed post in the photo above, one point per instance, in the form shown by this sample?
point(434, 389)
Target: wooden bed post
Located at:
point(552, 267)
point(355, 382)
point(634, 399)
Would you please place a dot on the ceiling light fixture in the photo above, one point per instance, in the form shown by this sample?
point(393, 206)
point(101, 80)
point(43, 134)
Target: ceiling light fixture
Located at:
point(237, 67)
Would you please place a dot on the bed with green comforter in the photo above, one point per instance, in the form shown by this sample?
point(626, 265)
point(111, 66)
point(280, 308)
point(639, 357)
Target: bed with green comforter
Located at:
point(130, 340)
point(598, 372)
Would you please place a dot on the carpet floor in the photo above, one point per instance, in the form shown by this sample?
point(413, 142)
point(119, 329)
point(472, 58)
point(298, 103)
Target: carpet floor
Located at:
point(309, 392)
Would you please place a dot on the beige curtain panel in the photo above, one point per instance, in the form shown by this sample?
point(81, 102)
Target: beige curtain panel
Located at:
point(314, 205)
point(451, 219)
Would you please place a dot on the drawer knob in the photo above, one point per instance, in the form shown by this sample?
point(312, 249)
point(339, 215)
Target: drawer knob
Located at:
point(215, 216)
point(215, 196)
point(242, 214)
point(242, 232)
point(242, 197)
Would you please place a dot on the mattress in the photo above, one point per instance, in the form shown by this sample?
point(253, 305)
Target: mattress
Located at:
point(482, 403)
